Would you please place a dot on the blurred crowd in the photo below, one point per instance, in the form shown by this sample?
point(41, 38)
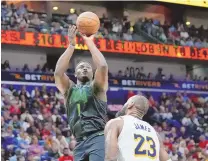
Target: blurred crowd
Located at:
point(5, 66)
point(34, 125)
point(179, 34)
point(13, 18)
point(138, 73)
point(129, 72)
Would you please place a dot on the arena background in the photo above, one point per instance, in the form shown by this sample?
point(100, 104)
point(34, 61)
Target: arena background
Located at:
point(153, 48)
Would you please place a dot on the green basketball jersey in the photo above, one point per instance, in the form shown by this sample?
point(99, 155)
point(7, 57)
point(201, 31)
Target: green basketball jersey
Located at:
point(86, 113)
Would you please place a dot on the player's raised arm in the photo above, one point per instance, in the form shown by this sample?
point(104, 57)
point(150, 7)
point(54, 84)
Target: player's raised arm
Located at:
point(101, 73)
point(163, 154)
point(61, 79)
point(112, 131)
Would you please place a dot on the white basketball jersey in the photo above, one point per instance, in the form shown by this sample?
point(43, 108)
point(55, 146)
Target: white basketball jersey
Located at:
point(138, 141)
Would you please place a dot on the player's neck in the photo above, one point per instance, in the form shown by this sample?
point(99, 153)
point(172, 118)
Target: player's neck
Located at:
point(82, 83)
point(134, 114)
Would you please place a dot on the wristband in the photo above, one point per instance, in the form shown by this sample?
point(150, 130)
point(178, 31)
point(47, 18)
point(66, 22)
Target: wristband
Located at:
point(169, 160)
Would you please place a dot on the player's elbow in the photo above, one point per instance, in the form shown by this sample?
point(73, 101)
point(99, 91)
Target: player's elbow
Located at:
point(103, 68)
point(58, 73)
point(103, 65)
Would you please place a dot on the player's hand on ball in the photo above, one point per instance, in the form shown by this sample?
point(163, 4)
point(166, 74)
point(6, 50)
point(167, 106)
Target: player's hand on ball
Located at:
point(87, 38)
point(72, 31)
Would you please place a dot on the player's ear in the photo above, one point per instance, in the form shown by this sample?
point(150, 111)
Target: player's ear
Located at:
point(130, 104)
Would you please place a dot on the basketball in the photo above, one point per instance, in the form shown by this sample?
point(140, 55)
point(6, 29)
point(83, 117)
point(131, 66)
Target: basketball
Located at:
point(88, 23)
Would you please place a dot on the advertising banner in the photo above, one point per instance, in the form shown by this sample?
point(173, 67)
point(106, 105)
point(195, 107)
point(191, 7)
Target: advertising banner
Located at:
point(104, 45)
point(113, 82)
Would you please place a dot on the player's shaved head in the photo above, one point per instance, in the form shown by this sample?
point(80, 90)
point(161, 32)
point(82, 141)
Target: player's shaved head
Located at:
point(137, 103)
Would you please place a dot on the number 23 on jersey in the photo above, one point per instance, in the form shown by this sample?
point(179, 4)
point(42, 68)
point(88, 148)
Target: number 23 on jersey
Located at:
point(139, 151)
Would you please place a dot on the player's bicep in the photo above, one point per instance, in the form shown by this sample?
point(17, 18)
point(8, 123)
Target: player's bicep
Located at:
point(101, 78)
point(63, 83)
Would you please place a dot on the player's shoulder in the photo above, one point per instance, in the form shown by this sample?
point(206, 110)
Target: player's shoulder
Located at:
point(114, 123)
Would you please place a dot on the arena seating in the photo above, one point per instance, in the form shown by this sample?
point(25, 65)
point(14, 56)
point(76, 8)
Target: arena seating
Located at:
point(21, 18)
point(40, 114)
point(129, 72)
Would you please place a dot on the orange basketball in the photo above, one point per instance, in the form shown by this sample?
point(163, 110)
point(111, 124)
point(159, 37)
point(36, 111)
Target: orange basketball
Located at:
point(88, 23)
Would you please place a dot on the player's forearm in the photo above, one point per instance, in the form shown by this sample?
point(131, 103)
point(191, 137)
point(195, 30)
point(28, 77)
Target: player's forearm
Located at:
point(63, 62)
point(97, 56)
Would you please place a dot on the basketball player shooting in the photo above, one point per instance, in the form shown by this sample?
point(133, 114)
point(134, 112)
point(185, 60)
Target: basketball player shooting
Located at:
point(128, 138)
point(86, 101)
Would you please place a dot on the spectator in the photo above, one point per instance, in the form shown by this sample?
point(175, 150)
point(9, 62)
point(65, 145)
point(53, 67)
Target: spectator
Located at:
point(132, 73)
point(53, 147)
point(63, 143)
point(173, 154)
point(183, 150)
point(4, 10)
point(183, 41)
point(120, 74)
point(66, 156)
point(23, 144)
point(205, 43)
point(106, 21)
point(155, 30)
point(159, 74)
point(57, 28)
point(35, 150)
point(22, 9)
point(12, 25)
point(25, 68)
point(138, 24)
point(23, 24)
point(14, 109)
point(45, 67)
point(161, 35)
point(183, 33)
point(127, 72)
point(15, 122)
point(190, 42)
point(198, 43)
point(148, 26)
point(6, 66)
point(38, 69)
point(35, 92)
point(171, 78)
point(24, 94)
point(16, 156)
point(174, 36)
point(117, 27)
point(72, 18)
point(126, 24)
point(128, 36)
point(35, 21)
point(203, 142)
